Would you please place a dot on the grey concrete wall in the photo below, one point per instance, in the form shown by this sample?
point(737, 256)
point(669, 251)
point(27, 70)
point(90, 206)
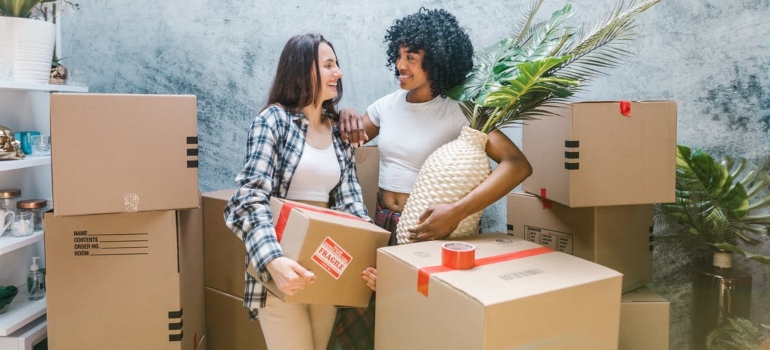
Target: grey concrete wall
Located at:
point(711, 56)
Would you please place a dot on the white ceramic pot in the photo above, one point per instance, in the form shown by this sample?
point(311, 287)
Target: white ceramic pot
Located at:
point(27, 44)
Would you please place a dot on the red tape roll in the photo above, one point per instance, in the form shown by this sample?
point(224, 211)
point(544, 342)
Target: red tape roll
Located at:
point(458, 255)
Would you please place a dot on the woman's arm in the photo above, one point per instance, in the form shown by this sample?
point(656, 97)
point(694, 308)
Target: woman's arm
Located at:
point(439, 220)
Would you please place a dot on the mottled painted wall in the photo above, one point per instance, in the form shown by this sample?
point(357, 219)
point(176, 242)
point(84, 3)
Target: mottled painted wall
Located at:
point(711, 56)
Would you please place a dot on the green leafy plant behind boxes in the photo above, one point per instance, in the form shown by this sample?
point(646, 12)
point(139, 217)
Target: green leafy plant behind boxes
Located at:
point(720, 203)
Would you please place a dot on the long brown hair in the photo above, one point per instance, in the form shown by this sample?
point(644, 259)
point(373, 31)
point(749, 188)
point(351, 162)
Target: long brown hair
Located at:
point(293, 84)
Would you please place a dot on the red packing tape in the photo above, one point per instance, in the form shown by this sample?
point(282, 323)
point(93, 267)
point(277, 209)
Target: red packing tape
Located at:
point(625, 108)
point(286, 209)
point(458, 255)
point(546, 202)
point(423, 274)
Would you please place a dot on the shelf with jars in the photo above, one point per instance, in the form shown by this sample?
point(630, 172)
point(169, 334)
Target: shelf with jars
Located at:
point(24, 109)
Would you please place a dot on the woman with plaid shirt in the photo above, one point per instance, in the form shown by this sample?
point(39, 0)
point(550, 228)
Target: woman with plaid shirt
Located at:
point(294, 151)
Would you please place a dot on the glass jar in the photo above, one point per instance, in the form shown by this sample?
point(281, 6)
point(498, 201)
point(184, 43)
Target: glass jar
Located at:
point(8, 198)
point(37, 207)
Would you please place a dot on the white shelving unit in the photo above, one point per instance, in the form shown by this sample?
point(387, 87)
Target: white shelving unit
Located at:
point(25, 106)
point(9, 243)
point(22, 312)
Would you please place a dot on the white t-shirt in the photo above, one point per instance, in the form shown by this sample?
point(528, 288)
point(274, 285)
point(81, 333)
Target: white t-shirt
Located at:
point(409, 133)
point(317, 173)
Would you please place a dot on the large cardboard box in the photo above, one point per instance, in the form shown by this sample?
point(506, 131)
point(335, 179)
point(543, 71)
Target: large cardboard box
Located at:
point(644, 321)
point(228, 326)
point(125, 281)
point(618, 237)
point(519, 295)
point(336, 246)
point(224, 253)
point(116, 153)
point(590, 154)
point(368, 168)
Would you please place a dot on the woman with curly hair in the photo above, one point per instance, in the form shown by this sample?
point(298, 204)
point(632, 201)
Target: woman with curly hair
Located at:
point(431, 53)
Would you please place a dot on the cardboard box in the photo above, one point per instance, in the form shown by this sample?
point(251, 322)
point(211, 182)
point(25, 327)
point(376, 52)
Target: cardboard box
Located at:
point(336, 246)
point(644, 321)
point(117, 153)
point(228, 326)
point(519, 295)
point(368, 168)
point(618, 237)
point(125, 281)
point(589, 154)
point(224, 254)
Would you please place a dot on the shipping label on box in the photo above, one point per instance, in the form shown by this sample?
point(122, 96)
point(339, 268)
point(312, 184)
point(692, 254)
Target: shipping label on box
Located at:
point(618, 237)
point(518, 295)
point(336, 246)
point(592, 154)
point(125, 281)
point(116, 153)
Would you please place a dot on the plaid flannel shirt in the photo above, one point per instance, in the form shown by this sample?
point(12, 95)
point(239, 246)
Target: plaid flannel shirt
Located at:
point(274, 147)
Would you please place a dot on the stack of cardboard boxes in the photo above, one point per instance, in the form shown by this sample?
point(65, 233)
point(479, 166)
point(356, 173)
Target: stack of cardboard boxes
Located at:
point(598, 169)
point(124, 240)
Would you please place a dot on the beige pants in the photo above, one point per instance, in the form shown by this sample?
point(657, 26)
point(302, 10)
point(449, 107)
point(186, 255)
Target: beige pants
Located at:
point(289, 326)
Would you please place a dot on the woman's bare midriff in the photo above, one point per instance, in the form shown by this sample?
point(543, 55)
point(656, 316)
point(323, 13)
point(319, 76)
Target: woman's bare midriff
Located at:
point(394, 201)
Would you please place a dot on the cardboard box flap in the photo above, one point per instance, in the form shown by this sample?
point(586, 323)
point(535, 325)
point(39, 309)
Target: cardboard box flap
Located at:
point(503, 279)
point(318, 213)
point(642, 295)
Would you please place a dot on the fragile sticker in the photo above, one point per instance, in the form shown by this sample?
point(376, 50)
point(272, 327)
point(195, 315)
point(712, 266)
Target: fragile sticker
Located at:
point(332, 258)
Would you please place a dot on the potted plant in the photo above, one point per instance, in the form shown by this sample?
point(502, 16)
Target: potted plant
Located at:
point(26, 43)
point(739, 334)
point(541, 63)
point(720, 207)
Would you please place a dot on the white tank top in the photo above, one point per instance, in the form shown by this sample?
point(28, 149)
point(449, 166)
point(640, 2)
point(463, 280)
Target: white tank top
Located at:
point(409, 133)
point(317, 173)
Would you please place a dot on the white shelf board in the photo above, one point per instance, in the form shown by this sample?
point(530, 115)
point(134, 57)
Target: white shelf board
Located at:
point(21, 312)
point(27, 162)
point(26, 337)
point(8, 242)
point(12, 85)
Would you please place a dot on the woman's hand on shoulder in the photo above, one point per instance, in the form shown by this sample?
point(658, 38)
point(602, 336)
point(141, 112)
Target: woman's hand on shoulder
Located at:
point(352, 127)
point(289, 276)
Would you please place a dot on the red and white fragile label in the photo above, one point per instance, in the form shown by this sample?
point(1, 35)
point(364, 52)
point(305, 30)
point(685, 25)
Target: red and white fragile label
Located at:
point(332, 258)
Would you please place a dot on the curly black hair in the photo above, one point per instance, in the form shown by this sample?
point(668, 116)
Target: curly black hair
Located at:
point(448, 49)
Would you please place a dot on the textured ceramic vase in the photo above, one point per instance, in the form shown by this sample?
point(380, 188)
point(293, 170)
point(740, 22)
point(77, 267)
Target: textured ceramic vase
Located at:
point(27, 45)
point(449, 173)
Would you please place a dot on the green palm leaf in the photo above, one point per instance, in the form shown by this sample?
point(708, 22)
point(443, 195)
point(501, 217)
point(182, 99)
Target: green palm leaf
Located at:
point(505, 94)
point(724, 203)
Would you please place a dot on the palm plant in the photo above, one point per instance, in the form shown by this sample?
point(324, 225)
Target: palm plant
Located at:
point(540, 64)
point(19, 8)
point(739, 334)
point(543, 63)
point(721, 204)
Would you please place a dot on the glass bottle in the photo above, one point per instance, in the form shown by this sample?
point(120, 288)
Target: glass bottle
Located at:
point(719, 292)
point(36, 207)
point(35, 281)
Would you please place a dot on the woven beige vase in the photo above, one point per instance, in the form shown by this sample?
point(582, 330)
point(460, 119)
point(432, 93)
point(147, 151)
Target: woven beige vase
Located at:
point(449, 173)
